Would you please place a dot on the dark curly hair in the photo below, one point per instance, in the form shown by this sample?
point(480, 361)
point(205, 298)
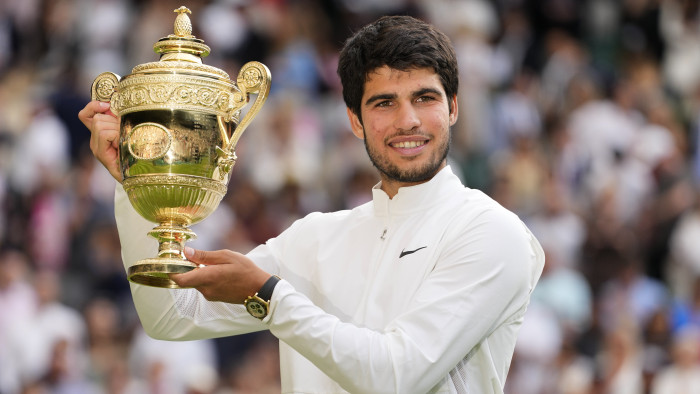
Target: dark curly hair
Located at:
point(399, 42)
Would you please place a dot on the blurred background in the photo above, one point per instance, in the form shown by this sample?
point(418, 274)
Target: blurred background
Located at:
point(581, 116)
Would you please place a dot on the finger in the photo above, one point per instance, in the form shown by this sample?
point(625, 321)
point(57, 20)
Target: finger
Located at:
point(185, 280)
point(89, 111)
point(199, 256)
point(196, 255)
point(210, 257)
point(106, 140)
point(87, 114)
point(104, 120)
point(104, 143)
point(105, 123)
point(198, 278)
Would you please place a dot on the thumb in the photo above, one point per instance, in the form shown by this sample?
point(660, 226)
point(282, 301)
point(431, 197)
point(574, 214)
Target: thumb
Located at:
point(207, 257)
point(195, 255)
point(91, 109)
point(210, 257)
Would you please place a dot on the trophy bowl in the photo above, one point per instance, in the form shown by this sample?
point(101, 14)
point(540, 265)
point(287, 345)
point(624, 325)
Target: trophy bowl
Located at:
point(180, 123)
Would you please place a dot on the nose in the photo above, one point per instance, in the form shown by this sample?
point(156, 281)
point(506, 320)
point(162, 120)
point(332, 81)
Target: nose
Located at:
point(406, 118)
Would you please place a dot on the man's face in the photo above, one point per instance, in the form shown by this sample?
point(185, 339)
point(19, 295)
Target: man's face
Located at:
point(405, 125)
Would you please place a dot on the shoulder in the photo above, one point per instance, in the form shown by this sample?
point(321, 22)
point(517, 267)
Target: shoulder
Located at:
point(472, 208)
point(326, 221)
point(483, 228)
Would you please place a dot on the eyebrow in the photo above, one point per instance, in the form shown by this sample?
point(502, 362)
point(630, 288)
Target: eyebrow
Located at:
point(380, 97)
point(426, 91)
point(391, 96)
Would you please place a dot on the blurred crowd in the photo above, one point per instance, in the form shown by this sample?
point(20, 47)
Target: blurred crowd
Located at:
point(581, 116)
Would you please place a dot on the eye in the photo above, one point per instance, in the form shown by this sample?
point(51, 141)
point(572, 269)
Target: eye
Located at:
point(384, 103)
point(425, 99)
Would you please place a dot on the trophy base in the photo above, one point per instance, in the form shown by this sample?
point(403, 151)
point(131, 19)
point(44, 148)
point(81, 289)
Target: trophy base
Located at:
point(155, 272)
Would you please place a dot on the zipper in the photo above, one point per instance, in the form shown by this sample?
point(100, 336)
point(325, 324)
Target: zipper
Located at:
point(362, 311)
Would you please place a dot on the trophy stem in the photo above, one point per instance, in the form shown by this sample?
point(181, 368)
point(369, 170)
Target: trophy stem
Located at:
point(171, 239)
point(171, 257)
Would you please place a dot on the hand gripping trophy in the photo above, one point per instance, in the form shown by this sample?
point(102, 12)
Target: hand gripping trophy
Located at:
point(179, 128)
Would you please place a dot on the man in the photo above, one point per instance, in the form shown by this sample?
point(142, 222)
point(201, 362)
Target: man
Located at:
point(421, 290)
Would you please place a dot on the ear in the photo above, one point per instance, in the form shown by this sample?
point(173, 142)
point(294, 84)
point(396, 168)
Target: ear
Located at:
point(455, 111)
point(356, 124)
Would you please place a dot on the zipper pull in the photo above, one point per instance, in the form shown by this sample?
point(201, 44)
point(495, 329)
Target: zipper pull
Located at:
point(383, 237)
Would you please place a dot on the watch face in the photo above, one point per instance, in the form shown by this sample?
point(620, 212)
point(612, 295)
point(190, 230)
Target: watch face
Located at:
point(256, 308)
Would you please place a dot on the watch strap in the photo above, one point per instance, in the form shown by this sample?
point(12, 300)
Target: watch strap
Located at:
point(268, 287)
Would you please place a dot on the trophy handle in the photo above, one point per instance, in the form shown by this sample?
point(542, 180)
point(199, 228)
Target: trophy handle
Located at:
point(104, 86)
point(254, 77)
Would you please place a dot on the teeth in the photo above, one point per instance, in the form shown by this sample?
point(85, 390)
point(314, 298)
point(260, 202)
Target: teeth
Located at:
point(409, 144)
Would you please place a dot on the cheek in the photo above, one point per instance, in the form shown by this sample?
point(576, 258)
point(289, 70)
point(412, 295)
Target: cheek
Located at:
point(437, 124)
point(375, 130)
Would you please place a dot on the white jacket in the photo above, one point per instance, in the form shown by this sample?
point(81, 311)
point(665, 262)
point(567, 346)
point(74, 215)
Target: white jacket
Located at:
point(421, 293)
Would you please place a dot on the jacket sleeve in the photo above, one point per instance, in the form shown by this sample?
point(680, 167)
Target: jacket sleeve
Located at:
point(173, 314)
point(481, 284)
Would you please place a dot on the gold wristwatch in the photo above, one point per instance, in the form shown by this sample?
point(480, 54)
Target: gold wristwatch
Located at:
point(258, 305)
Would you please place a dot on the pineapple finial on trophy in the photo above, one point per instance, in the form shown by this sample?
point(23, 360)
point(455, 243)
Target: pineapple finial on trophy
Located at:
point(183, 26)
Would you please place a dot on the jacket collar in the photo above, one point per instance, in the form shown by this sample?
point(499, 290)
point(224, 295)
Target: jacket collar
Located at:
point(416, 198)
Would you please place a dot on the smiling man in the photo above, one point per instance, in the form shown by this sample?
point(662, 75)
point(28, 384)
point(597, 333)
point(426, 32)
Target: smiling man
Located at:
point(423, 289)
point(408, 116)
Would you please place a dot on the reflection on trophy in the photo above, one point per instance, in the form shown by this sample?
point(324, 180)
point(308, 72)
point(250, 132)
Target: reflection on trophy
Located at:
point(179, 128)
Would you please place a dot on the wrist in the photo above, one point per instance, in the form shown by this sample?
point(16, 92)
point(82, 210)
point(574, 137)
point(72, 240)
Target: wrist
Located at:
point(268, 287)
point(257, 281)
point(258, 305)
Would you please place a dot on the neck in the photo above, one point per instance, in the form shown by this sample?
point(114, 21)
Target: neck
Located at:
point(391, 186)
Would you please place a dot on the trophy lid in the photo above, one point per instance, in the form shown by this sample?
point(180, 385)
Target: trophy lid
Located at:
point(179, 81)
point(181, 50)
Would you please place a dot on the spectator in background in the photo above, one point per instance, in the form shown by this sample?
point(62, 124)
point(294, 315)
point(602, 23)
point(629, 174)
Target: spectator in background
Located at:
point(685, 311)
point(172, 367)
point(684, 255)
point(17, 304)
point(620, 365)
point(631, 297)
point(682, 376)
point(49, 343)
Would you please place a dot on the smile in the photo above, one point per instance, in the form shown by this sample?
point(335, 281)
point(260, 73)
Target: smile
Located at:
point(408, 144)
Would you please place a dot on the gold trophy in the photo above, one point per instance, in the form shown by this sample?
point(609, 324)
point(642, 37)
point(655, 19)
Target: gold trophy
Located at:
point(179, 128)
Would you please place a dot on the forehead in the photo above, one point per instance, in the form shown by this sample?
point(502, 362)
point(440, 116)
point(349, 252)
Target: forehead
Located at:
point(390, 80)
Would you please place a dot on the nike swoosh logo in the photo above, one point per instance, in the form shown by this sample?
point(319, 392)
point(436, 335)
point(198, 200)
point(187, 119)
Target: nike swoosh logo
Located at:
point(405, 252)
